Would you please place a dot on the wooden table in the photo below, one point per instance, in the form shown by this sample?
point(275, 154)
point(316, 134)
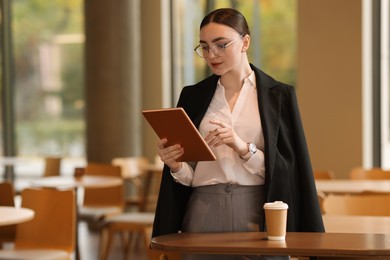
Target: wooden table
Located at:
point(86, 181)
point(256, 243)
point(357, 224)
point(12, 215)
point(352, 186)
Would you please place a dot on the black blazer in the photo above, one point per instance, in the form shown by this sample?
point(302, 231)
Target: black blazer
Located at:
point(288, 172)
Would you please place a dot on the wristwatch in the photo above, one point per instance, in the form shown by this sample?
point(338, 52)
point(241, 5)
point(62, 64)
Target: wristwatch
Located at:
point(252, 150)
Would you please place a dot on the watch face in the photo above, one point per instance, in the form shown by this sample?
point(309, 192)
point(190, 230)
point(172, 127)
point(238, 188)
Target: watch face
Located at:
point(252, 148)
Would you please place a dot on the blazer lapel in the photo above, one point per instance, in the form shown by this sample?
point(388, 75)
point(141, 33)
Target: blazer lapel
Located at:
point(269, 107)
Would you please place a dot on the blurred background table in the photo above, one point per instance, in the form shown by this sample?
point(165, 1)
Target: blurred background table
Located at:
point(86, 181)
point(12, 215)
point(357, 224)
point(352, 186)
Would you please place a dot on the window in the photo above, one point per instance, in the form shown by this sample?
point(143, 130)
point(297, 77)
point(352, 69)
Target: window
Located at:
point(48, 51)
point(47, 43)
point(273, 38)
point(385, 85)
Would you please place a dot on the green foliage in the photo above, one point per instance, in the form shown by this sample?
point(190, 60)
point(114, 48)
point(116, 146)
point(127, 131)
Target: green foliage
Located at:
point(37, 27)
point(58, 137)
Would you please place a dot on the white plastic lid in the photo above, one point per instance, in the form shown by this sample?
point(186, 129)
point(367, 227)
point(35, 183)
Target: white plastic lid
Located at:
point(276, 205)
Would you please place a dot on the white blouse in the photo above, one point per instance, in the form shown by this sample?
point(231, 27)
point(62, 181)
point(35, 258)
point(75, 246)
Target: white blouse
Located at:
point(229, 167)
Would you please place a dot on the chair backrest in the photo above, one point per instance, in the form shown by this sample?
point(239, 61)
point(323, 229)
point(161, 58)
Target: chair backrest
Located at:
point(104, 197)
point(52, 166)
point(102, 169)
point(321, 197)
point(360, 173)
point(324, 175)
point(131, 166)
point(363, 205)
point(157, 254)
point(133, 174)
point(54, 222)
point(7, 194)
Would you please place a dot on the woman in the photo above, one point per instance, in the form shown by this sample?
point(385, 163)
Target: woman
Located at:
point(253, 126)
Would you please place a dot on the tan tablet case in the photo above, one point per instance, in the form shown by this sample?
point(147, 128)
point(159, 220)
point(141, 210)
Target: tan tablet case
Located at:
point(175, 125)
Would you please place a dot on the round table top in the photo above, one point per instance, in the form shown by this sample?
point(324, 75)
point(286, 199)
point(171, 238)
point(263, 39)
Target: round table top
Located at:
point(356, 224)
point(352, 186)
point(86, 181)
point(13, 215)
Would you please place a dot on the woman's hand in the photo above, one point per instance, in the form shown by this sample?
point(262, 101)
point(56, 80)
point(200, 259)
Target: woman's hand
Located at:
point(224, 134)
point(170, 154)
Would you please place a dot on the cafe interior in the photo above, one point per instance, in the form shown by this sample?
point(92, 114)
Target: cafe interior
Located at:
point(80, 174)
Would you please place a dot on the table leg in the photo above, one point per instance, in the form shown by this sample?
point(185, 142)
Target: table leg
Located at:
point(9, 174)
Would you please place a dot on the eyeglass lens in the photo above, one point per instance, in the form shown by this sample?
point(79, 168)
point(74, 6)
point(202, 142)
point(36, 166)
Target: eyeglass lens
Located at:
point(216, 49)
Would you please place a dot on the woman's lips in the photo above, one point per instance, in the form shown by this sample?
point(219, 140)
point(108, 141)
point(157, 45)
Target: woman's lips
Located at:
point(216, 64)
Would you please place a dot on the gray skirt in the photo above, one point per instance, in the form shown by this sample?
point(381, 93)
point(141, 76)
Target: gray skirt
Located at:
point(225, 208)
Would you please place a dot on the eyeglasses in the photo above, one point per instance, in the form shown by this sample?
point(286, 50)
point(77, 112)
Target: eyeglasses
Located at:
point(218, 49)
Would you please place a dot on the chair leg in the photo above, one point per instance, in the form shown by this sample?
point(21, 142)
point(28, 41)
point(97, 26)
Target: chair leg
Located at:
point(129, 246)
point(105, 242)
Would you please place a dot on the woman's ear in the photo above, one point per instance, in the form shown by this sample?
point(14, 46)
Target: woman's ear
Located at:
point(246, 42)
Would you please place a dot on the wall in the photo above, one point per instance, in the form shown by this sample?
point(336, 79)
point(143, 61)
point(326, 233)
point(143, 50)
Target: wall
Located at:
point(111, 80)
point(329, 84)
point(152, 78)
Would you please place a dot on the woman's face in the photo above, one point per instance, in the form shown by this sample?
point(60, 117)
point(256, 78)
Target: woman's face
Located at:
point(214, 36)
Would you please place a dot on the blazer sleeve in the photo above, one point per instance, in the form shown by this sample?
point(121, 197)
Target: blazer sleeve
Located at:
point(310, 216)
point(289, 175)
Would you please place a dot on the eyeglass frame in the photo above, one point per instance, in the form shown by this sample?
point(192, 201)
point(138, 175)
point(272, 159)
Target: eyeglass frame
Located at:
point(221, 46)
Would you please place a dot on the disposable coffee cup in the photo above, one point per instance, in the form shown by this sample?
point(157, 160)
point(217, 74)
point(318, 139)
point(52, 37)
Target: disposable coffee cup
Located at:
point(276, 220)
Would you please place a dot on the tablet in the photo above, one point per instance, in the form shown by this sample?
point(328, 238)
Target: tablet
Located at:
point(175, 125)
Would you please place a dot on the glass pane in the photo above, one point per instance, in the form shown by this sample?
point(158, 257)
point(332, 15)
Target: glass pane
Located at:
point(48, 47)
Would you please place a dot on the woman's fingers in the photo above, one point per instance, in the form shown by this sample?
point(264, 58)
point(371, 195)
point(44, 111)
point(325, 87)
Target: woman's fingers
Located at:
point(170, 154)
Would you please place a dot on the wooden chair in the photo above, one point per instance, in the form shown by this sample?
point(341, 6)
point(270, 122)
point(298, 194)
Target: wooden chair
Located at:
point(128, 225)
point(52, 166)
point(51, 233)
point(133, 175)
point(157, 254)
point(321, 197)
point(364, 205)
point(131, 166)
point(324, 175)
point(359, 173)
point(136, 224)
point(101, 202)
point(7, 194)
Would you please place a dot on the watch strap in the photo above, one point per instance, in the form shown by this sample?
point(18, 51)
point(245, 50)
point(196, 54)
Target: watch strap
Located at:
point(251, 151)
